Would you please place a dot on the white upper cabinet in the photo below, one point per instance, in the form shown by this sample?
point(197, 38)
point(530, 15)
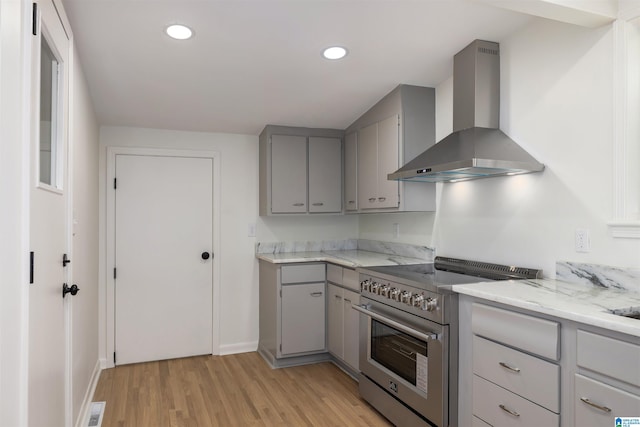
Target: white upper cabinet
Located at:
point(392, 132)
point(300, 170)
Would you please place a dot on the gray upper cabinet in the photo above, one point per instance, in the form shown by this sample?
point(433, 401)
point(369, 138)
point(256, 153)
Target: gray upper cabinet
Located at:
point(388, 135)
point(351, 172)
point(378, 153)
point(325, 175)
point(288, 174)
point(300, 170)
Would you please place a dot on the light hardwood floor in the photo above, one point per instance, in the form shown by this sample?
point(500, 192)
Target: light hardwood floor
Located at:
point(235, 390)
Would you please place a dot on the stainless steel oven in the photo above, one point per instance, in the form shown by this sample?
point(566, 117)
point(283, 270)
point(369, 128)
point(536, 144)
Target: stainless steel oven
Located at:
point(409, 356)
point(409, 337)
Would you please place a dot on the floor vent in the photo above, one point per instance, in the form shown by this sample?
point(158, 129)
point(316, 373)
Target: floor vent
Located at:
point(95, 416)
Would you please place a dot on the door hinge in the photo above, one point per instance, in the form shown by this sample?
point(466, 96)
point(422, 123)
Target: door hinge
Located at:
point(34, 23)
point(114, 272)
point(114, 357)
point(280, 293)
point(280, 348)
point(115, 183)
point(32, 257)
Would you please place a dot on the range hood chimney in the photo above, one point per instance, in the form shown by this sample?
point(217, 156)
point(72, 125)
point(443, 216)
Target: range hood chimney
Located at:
point(476, 148)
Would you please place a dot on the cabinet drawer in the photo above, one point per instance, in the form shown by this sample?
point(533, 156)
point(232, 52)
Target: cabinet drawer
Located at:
point(302, 273)
point(620, 403)
point(537, 336)
point(350, 279)
point(492, 403)
point(614, 358)
point(528, 376)
point(334, 274)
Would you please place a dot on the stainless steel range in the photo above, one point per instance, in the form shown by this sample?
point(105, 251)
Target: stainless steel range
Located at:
point(409, 336)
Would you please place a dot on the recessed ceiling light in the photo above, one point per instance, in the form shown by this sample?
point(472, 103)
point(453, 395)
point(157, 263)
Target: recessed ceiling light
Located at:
point(334, 52)
point(179, 32)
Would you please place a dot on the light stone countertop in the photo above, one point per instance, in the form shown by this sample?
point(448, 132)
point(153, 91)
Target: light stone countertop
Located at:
point(577, 302)
point(346, 258)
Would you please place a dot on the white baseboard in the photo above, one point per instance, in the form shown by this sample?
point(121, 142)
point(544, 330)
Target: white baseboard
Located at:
point(83, 415)
point(243, 347)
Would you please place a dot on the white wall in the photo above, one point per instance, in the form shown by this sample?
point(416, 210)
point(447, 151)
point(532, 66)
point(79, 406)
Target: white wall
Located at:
point(298, 228)
point(239, 200)
point(414, 228)
point(84, 253)
point(556, 83)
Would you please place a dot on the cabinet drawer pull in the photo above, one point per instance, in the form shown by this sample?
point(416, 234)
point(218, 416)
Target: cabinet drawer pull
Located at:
point(338, 296)
point(508, 411)
point(298, 204)
point(316, 294)
point(372, 199)
point(351, 202)
point(595, 405)
point(318, 204)
point(511, 368)
point(382, 199)
point(347, 300)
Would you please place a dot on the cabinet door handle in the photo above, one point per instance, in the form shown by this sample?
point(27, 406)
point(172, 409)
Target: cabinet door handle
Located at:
point(337, 296)
point(382, 199)
point(347, 300)
point(298, 204)
point(316, 294)
point(508, 411)
point(595, 405)
point(318, 204)
point(351, 202)
point(372, 199)
point(511, 368)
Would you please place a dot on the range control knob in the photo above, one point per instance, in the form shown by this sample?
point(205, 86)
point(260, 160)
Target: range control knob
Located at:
point(405, 297)
point(430, 304)
point(384, 290)
point(365, 285)
point(395, 294)
point(417, 300)
point(374, 287)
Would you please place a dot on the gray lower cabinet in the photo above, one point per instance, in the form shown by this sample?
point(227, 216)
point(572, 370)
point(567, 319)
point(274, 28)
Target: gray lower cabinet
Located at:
point(303, 318)
point(343, 321)
point(605, 366)
point(292, 313)
point(519, 368)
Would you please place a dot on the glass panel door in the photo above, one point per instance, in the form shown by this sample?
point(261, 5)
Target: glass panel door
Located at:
point(49, 86)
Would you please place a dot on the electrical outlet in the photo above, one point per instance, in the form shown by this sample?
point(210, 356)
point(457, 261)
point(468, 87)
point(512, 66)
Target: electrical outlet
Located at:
point(582, 240)
point(251, 230)
point(396, 230)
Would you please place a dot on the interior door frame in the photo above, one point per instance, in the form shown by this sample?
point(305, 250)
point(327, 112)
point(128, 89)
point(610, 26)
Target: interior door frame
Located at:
point(108, 306)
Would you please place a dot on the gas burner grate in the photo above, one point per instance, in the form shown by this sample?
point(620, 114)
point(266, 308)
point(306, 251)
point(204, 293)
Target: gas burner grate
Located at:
point(485, 269)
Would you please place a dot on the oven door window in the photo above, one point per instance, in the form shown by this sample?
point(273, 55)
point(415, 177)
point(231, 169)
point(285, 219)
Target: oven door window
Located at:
point(401, 353)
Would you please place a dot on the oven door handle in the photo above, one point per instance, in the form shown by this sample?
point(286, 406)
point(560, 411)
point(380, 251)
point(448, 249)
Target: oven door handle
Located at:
point(364, 310)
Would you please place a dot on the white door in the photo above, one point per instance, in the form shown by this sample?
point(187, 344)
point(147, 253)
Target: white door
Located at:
point(163, 260)
point(48, 330)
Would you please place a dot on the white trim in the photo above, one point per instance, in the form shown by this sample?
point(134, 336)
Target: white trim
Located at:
point(109, 304)
point(621, 226)
point(243, 347)
point(83, 415)
point(625, 229)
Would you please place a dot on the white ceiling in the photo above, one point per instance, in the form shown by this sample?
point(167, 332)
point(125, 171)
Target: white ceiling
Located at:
point(258, 62)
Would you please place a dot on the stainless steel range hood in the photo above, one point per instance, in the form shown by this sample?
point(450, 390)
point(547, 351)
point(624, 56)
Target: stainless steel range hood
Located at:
point(476, 148)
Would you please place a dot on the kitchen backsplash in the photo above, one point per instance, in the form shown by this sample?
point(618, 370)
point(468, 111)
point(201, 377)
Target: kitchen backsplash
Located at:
point(401, 249)
point(601, 276)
